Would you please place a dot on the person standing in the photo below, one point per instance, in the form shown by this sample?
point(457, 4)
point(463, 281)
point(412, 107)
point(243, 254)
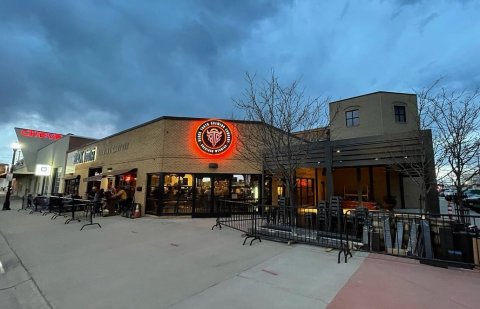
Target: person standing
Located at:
point(97, 199)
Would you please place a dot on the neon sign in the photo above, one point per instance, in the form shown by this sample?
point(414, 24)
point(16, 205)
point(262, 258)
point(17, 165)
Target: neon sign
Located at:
point(213, 137)
point(40, 134)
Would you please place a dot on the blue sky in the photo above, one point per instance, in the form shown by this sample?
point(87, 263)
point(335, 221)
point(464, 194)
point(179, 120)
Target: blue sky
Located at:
point(94, 68)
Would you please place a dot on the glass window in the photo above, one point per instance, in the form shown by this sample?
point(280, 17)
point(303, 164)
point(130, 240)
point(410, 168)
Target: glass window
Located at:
point(400, 115)
point(177, 186)
point(153, 193)
point(57, 173)
point(305, 192)
point(154, 186)
point(245, 187)
point(352, 118)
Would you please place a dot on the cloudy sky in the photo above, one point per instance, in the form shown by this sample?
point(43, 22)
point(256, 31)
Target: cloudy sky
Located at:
point(94, 68)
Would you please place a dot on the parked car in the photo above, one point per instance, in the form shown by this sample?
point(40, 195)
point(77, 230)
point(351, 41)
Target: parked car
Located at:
point(472, 198)
point(448, 194)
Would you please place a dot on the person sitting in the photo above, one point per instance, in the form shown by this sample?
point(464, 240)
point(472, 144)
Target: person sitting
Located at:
point(121, 196)
point(30, 201)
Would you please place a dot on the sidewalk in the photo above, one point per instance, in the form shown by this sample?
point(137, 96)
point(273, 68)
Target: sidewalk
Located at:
point(181, 263)
point(392, 282)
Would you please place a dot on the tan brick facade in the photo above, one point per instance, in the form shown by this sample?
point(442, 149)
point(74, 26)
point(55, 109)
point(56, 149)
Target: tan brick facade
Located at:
point(163, 145)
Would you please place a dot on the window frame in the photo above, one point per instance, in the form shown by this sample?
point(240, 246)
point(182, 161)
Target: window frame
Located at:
point(352, 118)
point(400, 113)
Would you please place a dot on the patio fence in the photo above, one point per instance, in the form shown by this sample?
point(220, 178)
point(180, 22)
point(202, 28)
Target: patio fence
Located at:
point(441, 240)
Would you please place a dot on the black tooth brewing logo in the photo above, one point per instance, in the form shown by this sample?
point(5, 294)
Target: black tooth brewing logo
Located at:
point(214, 137)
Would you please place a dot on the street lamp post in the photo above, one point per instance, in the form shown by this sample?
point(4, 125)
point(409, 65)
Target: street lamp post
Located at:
point(6, 204)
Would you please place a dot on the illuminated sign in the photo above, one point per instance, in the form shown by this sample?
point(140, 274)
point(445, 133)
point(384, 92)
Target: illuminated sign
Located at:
point(84, 156)
point(40, 134)
point(42, 170)
point(213, 137)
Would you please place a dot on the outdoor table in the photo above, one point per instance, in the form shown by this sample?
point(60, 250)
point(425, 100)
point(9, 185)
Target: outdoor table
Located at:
point(91, 207)
point(74, 207)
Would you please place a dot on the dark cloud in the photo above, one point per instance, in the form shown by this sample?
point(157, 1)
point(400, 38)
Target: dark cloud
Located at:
point(97, 67)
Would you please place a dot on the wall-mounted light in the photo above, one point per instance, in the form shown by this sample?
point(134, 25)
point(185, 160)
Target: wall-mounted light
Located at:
point(338, 150)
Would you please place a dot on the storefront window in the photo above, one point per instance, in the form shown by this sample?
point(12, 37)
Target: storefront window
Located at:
point(71, 186)
point(198, 195)
point(56, 180)
point(153, 194)
point(177, 194)
point(305, 192)
point(153, 189)
point(245, 188)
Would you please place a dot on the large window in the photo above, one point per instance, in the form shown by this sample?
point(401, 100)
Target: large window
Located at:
point(177, 194)
point(305, 192)
point(400, 115)
point(245, 187)
point(352, 118)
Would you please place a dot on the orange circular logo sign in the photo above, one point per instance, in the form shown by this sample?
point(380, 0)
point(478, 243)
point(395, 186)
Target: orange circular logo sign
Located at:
point(214, 137)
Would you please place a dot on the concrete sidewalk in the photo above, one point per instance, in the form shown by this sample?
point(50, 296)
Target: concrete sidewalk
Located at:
point(166, 263)
point(181, 263)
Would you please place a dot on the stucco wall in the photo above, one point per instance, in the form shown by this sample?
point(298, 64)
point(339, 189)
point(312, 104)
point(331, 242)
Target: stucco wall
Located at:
point(376, 115)
point(54, 155)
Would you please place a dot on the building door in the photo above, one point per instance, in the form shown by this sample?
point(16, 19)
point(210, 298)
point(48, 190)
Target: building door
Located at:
point(221, 192)
point(203, 201)
point(210, 191)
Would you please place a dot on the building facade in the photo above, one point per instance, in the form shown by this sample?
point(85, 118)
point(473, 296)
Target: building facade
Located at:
point(172, 165)
point(41, 169)
point(186, 166)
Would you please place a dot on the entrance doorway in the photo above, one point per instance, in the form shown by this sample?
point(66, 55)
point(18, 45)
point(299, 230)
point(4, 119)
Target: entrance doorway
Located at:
point(210, 191)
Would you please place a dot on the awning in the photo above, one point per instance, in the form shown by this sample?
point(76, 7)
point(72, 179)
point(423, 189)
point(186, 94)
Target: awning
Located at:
point(119, 172)
point(93, 178)
point(71, 177)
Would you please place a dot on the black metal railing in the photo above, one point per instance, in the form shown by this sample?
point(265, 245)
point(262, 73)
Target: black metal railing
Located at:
point(73, 209)
point(436, 239)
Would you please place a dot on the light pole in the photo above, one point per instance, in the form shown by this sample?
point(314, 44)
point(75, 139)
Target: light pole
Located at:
point(6, 204)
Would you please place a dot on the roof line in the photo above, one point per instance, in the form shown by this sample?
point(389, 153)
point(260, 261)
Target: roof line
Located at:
point(372, 93)
point(159, 119)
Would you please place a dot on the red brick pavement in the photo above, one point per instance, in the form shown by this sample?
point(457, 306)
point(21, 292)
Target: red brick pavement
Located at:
point(391, 282)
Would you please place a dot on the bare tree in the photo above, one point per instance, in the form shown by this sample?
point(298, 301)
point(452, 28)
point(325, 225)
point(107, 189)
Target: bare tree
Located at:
point(287, 123)
point(420, 159)
point(456, 116)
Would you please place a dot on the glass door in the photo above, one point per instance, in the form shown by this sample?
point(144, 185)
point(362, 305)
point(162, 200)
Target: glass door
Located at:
point(153, 194)
point(221, 191)
point(203, 202)
point(210, 191)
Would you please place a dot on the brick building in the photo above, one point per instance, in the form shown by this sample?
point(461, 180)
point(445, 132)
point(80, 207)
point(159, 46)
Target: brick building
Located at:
point(177, 165)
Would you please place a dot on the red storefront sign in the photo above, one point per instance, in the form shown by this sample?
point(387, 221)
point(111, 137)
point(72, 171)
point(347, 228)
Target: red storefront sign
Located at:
point(40, 134)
